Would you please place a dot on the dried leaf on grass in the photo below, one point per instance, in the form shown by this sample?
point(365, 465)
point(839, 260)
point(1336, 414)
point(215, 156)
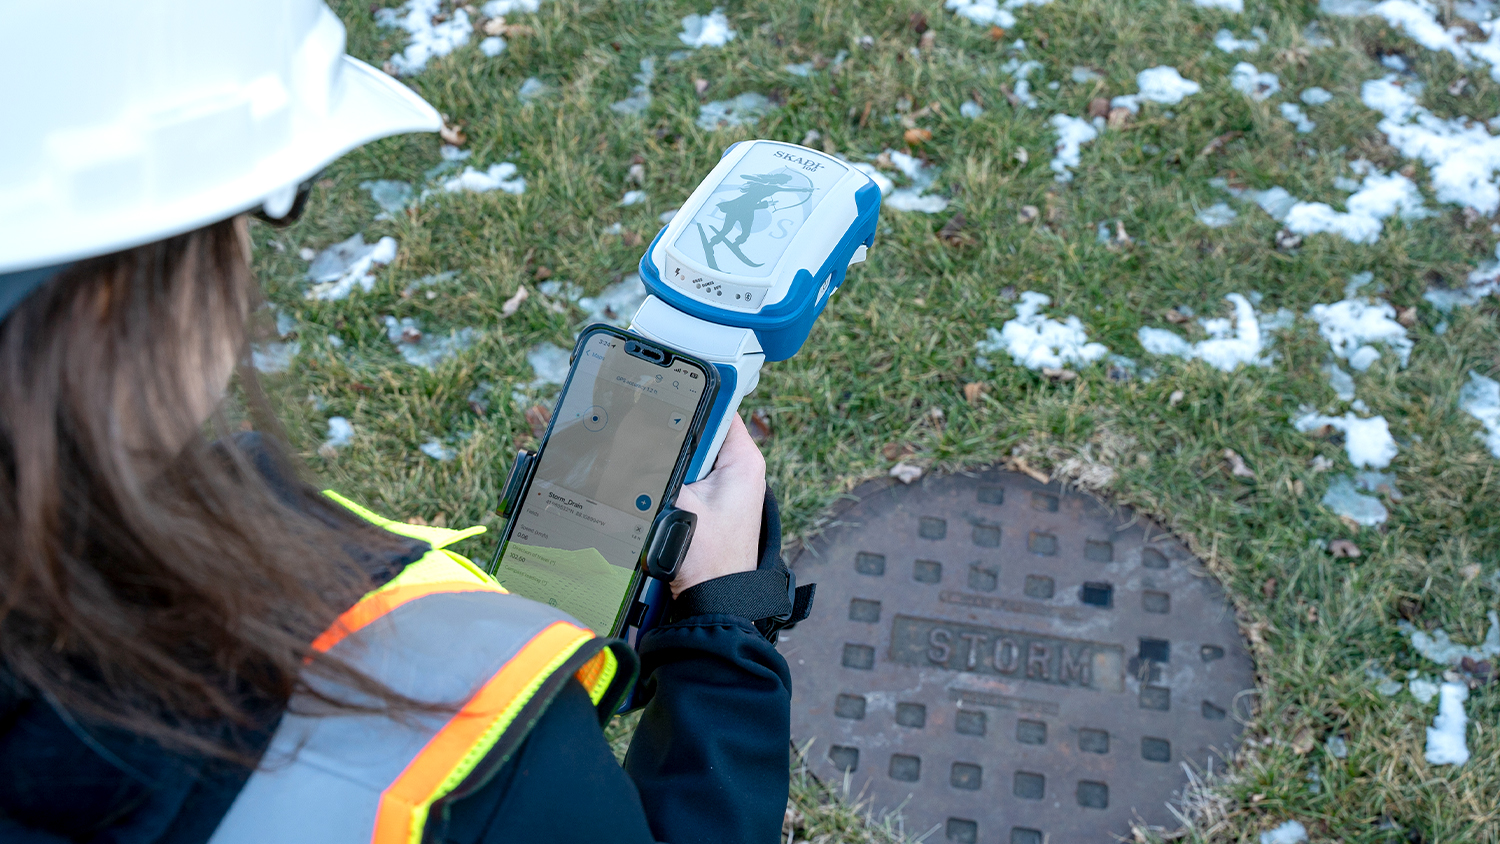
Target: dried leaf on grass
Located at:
point(1343, 548)
point(897, 451)
point(759, 425)
point(974, 392)
point(916, 136)
point(953, 234)
point(1237, 465)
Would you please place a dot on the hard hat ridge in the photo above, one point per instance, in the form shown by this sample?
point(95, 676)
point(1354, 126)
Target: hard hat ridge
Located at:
point(149, 119)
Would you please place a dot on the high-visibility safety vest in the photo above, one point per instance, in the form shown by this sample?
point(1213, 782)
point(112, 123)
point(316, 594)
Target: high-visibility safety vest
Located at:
point(441, 631)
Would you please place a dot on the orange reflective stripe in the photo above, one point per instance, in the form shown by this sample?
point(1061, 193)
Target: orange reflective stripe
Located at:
point(450, 755)
point(377, 604)
point(596, 674)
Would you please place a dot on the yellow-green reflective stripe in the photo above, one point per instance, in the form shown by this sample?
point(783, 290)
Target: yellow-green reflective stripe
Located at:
point(435, 536)
point(480, 748)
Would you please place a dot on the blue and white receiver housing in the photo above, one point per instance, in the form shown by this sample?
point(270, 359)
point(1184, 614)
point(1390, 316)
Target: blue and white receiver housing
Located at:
point(742, 271)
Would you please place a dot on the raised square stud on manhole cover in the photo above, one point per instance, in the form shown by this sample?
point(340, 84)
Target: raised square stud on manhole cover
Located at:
point(962, 831)
point(911, 714)
point(927, 571)
point(1031, 732)
point(859, 656)
point(1093, 795)
point(871, 564)
point(1039, 586)
point(967, 776)
point(969, 722)
point(1156, 749)
point(849, 706)
point(863, 610)
point(905, 768)
point(1029, 786)
point(995, 693)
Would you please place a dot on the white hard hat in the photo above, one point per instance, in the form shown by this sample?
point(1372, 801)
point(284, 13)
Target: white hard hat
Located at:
point(126, 123)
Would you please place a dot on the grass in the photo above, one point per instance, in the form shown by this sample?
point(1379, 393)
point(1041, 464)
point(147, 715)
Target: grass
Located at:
point(898, 342)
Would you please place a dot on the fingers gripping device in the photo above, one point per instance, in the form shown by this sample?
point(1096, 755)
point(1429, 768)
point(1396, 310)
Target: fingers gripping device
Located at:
point(742, 271)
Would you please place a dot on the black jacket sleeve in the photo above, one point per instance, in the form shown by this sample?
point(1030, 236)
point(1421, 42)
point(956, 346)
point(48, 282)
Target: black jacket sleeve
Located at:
point(708, 762)
point(710, 753)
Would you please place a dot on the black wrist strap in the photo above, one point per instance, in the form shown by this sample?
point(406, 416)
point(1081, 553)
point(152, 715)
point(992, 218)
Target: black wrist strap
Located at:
point(768, 596)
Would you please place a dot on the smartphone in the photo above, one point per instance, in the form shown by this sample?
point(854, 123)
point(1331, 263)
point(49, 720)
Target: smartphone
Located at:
point(621, 437)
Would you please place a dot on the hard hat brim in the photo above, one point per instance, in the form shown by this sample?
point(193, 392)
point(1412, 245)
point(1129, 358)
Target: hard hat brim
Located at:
point(370, 106)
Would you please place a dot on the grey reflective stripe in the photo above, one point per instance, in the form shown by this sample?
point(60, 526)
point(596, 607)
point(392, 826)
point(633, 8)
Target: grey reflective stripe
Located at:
point(321, 780)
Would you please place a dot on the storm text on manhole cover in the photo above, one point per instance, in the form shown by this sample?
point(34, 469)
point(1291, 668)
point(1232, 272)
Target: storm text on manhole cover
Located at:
point(1010, 663)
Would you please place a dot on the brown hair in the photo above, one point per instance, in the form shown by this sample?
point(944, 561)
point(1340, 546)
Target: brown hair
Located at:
point(152, 578)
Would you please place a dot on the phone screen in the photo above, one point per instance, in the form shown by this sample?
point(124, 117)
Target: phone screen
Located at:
point(600, 478)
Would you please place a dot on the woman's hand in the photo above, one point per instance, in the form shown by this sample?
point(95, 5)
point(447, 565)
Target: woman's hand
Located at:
point(727, 503)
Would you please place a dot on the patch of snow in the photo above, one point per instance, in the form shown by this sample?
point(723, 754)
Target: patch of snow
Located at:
point(1352, 326)
point(640, 95)
point(436, 450)
point(1380, 196)
point(1368, 441)
point(1315, 96)
point(1299, 119)
point(1275, 201)
point(1217, 215)
point(914, 198)
point(275, 356)
point(1461, 154)
point(1439, 648)
point(1252, 83)
point(1072, 134)
point(1232, 341)
point(1345, 8)
point(990, 12)
point(1236, 6)
point(337, 270)
point(550, 364)
point(501, 8)
point(1036, 342)
point(1341, 381)
point(1445, 738)
point(1344, 499)
point(340, 432)
point(532, 90)
point(1418, 20)
point(667, 215)
point(1384, 685)
point(428, 40)
point(424, 349)
point(743, 110)
point(1162, 84)
point(1225, 40)
point(710, 30)
point(500, 176)
point(1313, 35)
point(971, 109)
point(803, 69)
point(617, 303)
point(430, 281)
point(1337, 747)
point(633, 197)
point(1480, 398)
point(1422, 689)
point(492, 46)
point(1083, 74)
point(393, 197)
point(1290, 832)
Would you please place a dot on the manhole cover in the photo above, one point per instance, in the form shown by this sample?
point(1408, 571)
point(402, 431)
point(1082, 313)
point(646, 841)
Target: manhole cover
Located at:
point(1010, 663)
